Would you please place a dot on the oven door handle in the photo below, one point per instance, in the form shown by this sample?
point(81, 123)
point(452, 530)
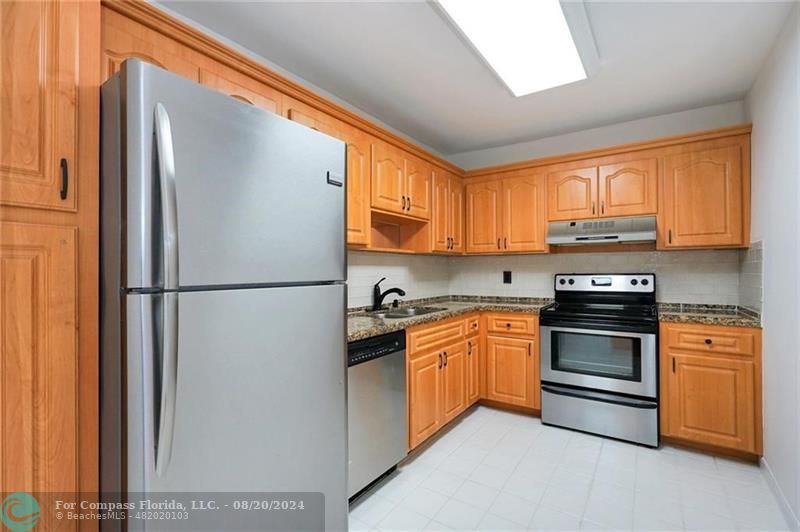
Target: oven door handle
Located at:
point(603, 398)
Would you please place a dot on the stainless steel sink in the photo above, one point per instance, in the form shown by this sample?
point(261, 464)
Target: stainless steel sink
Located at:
point(405, 312)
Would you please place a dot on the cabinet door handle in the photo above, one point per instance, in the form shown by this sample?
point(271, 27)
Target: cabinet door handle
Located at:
point(673, 364)
point(498, 243)
point(529, 349)
point(602, 206)
point(469, 348)
point(445, 359)
point(670, 236)
point(505, 242)
point(409, 203)
point(440, 361)
point(64, 179)
point(593, 206)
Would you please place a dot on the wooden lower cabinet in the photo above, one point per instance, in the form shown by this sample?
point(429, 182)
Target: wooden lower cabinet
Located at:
point(473, 370)
point(510, 370)
point(424, 397)
point(710, 392)
point(454, 380)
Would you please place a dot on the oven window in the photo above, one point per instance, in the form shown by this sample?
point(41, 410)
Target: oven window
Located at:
point(616, 357)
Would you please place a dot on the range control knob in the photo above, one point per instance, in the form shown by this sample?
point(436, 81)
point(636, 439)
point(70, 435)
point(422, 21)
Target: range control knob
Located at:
point(645, 282)
point(562, 281)
point(572, 281)
point(634, 282)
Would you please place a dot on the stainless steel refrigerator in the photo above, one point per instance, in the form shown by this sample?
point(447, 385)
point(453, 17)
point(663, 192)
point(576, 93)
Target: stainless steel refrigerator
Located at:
point(223, 296)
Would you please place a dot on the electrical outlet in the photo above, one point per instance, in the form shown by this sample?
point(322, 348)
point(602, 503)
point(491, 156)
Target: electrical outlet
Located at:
point(506, 277)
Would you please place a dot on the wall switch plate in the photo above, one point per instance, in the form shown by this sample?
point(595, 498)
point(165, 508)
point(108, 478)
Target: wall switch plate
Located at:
point(506, 277)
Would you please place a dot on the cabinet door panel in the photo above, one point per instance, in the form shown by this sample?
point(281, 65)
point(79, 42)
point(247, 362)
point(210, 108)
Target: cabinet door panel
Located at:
point(39, 89)
point(242, 88)
point(572, 194)
point(418, 188)
point(629, 188)
point(388, 178)
point(440, 219)
point(509, 365)
point(483, 217)
point(703, 198)
point(358, 182)
point(473, 370)
point(456, 215)
point(524, 213)
point(424, 393)
point(38, 295)
point(712, 400)
point(454, 385)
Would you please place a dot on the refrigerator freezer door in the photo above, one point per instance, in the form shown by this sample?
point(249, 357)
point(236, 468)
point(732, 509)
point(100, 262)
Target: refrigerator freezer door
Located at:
point(259, 393)
point(243, 196)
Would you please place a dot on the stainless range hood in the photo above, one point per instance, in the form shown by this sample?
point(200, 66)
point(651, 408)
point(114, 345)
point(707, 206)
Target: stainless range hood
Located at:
point(603, 231)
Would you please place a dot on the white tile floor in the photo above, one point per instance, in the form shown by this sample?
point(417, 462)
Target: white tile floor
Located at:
point(497, 470)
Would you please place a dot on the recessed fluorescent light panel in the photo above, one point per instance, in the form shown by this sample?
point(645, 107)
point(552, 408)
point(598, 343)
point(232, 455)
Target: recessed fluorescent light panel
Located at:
point(526, 42)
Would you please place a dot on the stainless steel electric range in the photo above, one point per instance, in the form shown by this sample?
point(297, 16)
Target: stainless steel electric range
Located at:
point(599, 356)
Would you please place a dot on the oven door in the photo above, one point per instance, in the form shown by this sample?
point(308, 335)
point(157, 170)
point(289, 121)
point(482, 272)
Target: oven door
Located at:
point(612, 361)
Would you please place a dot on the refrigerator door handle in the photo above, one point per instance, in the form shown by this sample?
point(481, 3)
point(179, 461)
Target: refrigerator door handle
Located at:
point(169, 381)
point(169, 202)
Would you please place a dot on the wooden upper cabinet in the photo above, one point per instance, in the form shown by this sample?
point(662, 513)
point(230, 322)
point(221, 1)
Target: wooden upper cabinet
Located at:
point(241, 87)
point(483, 217)
point(572, 194)
point(524, 213)
point(440, 219)
point(418, 187)
point(456, 215)
point(702, 198)
point(38, 296)
point(123, 38)
point(447, 214)
point(299, 112)
point(628, 188)
point(39, 88)
point(358, 181)
point(388, 178)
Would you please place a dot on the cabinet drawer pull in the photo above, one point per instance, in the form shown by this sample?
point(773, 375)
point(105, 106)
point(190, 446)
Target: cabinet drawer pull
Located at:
point(64, 179)
point(708, 341)
point(508, 325)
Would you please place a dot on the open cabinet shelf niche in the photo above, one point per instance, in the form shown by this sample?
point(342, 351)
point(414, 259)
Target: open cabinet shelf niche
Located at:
point(399, 234)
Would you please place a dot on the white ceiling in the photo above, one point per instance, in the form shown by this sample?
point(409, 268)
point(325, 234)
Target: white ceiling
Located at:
point(403, 63)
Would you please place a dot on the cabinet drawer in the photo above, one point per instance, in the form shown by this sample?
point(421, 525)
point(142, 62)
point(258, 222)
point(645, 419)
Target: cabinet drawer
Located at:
point(720, 340)
point(523, 324)
point(427, 337)
point(473, 325)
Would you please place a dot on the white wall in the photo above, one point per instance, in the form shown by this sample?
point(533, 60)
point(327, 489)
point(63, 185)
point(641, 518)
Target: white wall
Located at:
point(713, 116)
point(773, 105)
point(681, 276)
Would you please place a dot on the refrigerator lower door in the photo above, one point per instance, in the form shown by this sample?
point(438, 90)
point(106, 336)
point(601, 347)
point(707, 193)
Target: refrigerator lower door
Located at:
point(257, 400)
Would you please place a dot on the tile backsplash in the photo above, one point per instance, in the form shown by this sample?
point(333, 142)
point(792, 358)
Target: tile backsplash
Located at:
point(750, 277)
point(714, 277)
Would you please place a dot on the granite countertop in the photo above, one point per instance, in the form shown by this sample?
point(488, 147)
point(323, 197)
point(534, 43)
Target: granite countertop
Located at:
point(361, 325)
point(727, 315)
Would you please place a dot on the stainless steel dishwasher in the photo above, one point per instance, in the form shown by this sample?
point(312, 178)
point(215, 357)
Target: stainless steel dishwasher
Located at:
point(377, 431)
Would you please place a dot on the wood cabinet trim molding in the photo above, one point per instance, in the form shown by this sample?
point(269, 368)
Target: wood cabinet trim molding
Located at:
point(157, 20)
point(620, 149)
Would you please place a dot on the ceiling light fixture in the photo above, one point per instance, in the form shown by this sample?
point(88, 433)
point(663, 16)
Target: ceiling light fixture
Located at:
point(526, 42)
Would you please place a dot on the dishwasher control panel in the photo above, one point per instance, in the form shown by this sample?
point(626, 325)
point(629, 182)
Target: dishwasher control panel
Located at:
point(368, 349)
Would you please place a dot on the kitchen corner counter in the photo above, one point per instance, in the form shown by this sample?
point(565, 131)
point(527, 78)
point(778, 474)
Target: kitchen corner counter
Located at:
point(725, 315)
point(361, 325)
